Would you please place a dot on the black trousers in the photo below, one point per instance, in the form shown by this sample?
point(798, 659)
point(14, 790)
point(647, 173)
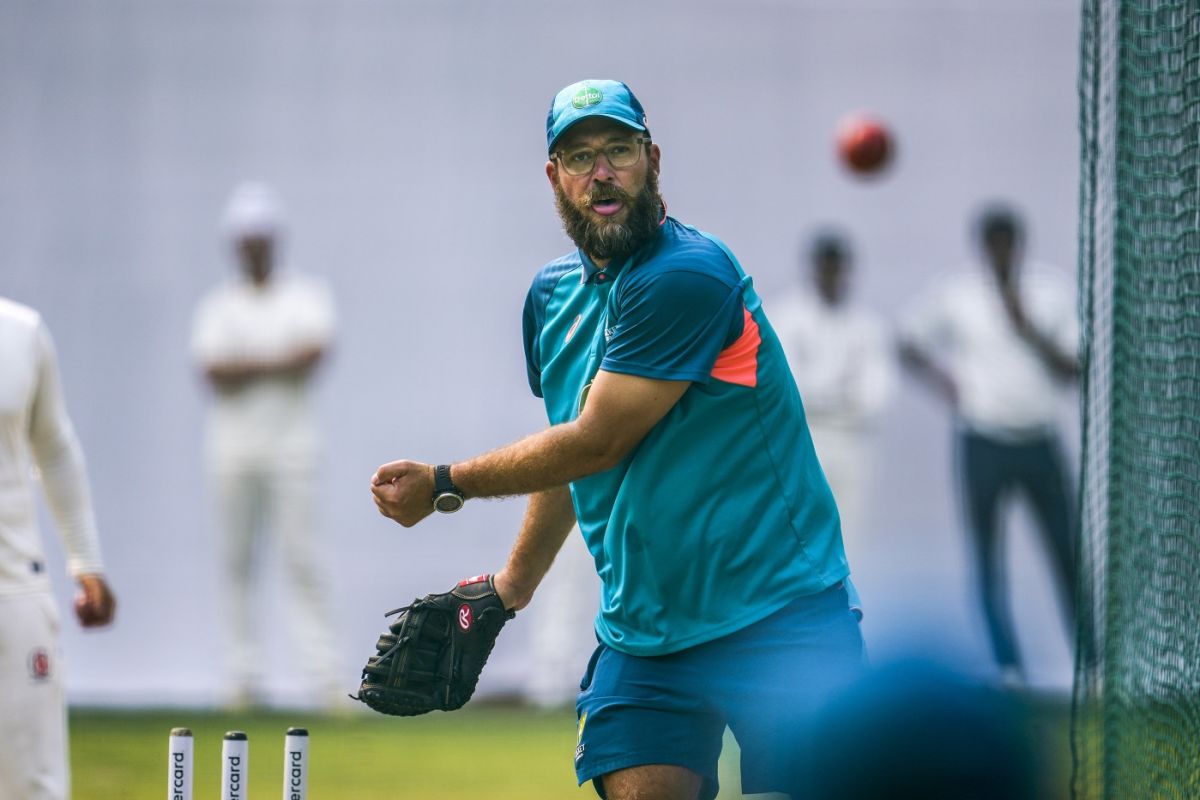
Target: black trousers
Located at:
point(993, 472)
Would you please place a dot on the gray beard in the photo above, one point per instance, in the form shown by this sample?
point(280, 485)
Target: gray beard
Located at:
point(603, 240)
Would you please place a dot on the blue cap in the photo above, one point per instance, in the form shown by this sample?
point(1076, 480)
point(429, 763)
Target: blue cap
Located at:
point(584, 99)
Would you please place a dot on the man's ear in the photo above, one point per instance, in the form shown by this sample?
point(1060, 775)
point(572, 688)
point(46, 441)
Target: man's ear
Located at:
point(655, 157)
point(552, 172)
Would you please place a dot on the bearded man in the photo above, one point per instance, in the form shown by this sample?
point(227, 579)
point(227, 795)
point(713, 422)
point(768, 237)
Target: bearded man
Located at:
point(678, 444)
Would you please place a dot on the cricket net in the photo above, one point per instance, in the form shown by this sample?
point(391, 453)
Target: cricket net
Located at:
point(1136, 726)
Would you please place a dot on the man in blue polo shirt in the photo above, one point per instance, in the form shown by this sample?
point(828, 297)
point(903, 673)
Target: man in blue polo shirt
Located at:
point(679, 446)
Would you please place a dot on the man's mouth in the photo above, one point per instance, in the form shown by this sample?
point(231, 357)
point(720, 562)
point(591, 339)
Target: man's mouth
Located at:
point(607, 207)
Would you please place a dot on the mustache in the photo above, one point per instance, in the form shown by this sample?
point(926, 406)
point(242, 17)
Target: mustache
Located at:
point(605, 191)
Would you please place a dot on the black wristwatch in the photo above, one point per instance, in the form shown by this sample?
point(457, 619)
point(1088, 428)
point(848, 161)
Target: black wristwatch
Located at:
point(447, 498)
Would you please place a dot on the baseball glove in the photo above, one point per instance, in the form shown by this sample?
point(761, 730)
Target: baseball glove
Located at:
point(431, 656)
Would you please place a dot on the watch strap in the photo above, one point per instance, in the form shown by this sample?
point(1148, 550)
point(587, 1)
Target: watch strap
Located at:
point(442, 483)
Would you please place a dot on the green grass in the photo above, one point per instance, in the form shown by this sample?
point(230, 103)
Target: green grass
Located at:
point(496, 753)
point(486, 751)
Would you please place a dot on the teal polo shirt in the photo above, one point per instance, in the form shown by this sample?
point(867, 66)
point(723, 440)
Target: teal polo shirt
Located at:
point(721, 515)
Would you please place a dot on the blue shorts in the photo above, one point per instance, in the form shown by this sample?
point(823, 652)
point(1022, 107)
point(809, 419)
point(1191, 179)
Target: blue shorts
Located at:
point(763, 681)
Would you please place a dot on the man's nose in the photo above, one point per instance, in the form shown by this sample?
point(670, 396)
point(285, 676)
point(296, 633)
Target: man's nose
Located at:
point(603, 170)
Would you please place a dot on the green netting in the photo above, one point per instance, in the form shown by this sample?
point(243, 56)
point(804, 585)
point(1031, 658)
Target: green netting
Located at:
point(1136, 730)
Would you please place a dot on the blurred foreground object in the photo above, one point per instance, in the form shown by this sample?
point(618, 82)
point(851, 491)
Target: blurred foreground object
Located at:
point(917, 731)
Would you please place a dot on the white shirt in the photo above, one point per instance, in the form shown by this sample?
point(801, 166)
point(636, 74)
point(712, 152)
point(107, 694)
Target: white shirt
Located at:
point(1005, 389)
point(35, 432)
point(270, 419)
point(839, 356)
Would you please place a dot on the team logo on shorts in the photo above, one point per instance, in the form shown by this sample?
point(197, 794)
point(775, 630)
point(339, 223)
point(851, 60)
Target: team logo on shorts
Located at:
point(464, 617)
point(39, 664)
point(579, 745)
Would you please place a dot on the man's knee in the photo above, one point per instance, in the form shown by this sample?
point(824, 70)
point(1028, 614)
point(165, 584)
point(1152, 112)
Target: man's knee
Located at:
point(653, 782)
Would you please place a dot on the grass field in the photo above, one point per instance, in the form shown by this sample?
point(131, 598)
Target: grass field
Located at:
point(495, 752)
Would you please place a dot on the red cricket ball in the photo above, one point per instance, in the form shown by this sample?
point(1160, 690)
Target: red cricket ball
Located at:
point(864, 144)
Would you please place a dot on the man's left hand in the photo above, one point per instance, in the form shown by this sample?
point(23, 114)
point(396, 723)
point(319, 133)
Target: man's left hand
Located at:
point(95, 604)
point(403, 491)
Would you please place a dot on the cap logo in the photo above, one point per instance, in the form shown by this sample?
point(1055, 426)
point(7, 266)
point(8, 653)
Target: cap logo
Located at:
point(587, 96)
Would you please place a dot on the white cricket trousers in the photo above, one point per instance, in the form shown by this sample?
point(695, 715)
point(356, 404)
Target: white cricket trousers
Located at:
point(564, 633)
point(271, 511)
point(33, 714)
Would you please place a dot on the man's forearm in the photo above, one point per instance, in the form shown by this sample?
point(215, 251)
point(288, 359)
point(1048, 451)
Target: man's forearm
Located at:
point(1063, 365)
point(620, 411)
point(548, 520)
point(548, 460)
point(919, 364)
point(235, 372)
point(545, 460)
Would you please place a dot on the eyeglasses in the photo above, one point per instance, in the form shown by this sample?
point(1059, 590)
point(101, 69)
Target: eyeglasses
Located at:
point(582, 160)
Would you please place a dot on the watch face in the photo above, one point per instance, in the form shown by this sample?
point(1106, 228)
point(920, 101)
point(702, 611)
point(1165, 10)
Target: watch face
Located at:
point(447, 503)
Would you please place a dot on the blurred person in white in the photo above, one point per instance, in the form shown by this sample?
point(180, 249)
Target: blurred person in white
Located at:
point(562, 640)
point(259, 339)
point(1000, 344)
point(841, 359)
point(37, 439)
